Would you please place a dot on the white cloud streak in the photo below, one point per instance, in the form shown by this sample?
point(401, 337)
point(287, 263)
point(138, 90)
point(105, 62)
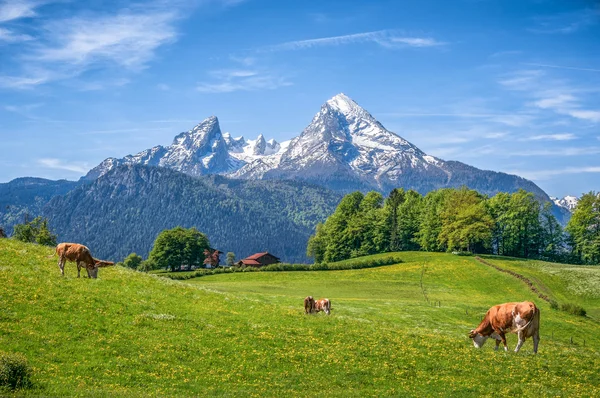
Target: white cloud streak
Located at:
point(16, 9)
point(52, 163)
point(235, 81)
point(128, 40)
point(550, 94)
point(385, 38)
point(551, 137)
point(562, 67)
point(8, 36)
point(547, 174)
point(569, 151)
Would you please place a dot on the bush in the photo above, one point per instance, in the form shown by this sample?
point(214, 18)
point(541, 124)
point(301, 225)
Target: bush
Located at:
point(554, 305)
point(357, 263)
point(573, 309)
point(15, 372)
point(462, 253)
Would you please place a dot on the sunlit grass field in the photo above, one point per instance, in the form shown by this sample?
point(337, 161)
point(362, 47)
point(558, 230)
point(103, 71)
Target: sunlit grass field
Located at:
point(398, 330)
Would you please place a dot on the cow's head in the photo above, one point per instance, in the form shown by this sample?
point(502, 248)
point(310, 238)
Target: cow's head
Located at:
point(478, 339)
point(92, 270)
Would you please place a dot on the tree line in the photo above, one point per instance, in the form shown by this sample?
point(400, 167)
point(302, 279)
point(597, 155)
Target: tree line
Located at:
point(463, 220)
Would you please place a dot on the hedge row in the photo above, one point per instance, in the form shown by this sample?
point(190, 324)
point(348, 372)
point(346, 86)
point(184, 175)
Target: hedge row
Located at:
point(340, 265)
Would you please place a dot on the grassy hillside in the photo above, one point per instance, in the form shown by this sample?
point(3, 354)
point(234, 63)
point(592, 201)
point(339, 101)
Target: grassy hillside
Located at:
point(131, 334)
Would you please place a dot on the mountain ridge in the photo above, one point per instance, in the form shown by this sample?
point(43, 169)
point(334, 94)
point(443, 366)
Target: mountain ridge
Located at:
point(343, 148)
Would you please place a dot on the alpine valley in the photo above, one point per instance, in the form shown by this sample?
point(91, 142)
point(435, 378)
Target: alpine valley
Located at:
point(246, 195)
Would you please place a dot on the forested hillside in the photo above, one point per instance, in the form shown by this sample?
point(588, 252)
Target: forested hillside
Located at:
point(24, 198)
point(124, 211)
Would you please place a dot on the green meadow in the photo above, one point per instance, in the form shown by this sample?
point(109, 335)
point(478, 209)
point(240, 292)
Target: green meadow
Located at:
point(397, 330)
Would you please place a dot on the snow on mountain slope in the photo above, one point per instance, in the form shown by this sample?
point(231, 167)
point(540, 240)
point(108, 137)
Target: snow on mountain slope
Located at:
point(343, 148)
point(568, 202)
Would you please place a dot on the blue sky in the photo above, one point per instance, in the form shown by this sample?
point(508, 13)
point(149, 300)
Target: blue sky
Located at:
point(505, 85)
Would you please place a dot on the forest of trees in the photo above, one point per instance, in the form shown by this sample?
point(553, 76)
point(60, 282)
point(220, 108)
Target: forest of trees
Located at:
point(451, 219)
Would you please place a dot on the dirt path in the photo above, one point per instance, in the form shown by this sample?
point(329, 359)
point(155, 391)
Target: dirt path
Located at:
point(518, 276)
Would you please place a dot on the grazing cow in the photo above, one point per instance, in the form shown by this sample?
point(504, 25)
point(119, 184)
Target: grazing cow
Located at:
point(82, 256)
point(521, 318)
point(309, 305)
point(322, 305)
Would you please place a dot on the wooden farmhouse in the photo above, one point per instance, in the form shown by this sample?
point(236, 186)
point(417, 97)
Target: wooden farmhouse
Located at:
point(259, 260)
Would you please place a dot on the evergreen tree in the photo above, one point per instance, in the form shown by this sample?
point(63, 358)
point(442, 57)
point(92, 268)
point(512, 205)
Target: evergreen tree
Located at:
point(552, 235)
point(35, 231)
point(393, 201)
point(230, 258)
point(584, 229)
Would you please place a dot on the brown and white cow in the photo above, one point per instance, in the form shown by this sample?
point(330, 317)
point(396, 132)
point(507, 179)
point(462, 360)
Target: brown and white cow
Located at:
point(322, 305)
point(520, 318)
point(81, 255)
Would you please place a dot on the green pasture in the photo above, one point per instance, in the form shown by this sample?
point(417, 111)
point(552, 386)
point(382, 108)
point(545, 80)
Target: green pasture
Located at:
point(398, 330)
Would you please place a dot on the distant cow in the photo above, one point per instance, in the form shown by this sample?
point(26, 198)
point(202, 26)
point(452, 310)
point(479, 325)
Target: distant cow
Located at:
point(520, 318)
point(81, 255)
point(322, 305)
point(309, 305)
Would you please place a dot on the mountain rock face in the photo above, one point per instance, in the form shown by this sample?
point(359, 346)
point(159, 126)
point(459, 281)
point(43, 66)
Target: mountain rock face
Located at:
point(343, 148)
point(125, 209)
point(568, 202)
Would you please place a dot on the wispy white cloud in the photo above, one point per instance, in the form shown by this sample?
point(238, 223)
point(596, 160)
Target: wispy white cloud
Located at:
point(547, 174)
point(569, 151)
point(562, 67)
point(24, 110)
point(16, 9)
point(227, 81)
point(8, 36)
point(52, 163)
point(25, 82)
point(386, 38)
point(508, 119)
point(566, 22)
point(551, 137)
point(522, 80)
point(559, 96)
point(126, 39)
point(120, 131)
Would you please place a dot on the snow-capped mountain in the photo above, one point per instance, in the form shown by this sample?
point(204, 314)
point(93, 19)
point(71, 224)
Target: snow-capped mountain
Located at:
point(199, 151)
point(568, 202)
point(343, 148)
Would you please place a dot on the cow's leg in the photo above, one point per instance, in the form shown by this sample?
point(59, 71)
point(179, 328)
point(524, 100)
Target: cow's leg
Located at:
point(61, 265)
point(497, 345)
point(503, 337)
point(521, 335)
point(78, 269)
point(536, 341)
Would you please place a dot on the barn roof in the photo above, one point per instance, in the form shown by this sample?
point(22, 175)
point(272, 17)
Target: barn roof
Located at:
point(259, 255)
point(249, 262)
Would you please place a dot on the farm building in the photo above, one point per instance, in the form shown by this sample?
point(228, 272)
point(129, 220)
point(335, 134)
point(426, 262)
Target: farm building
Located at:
point(259, 260)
